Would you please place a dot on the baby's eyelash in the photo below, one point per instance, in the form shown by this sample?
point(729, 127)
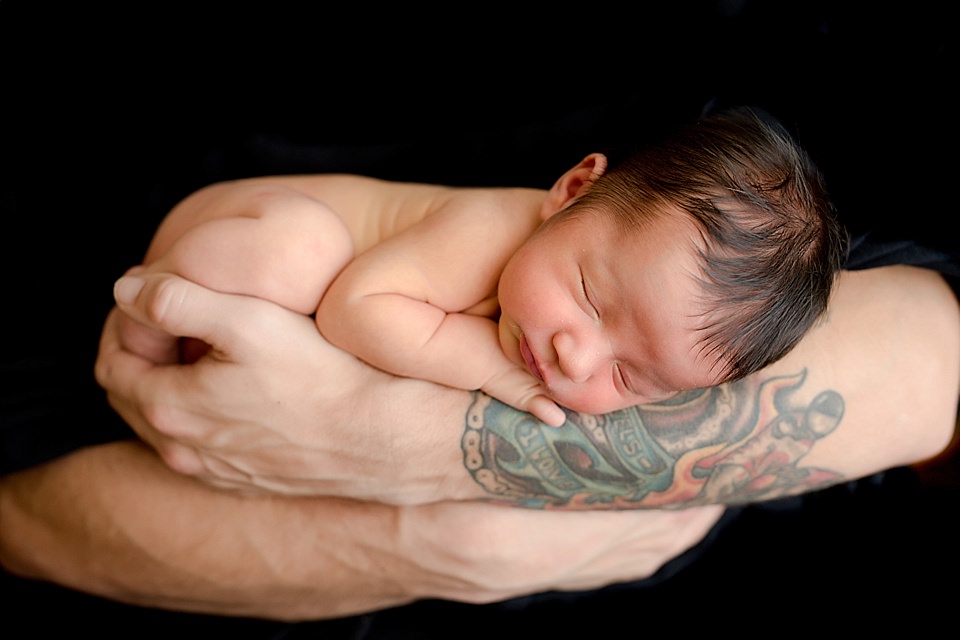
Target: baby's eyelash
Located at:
point(586, 296)
point(623, 379)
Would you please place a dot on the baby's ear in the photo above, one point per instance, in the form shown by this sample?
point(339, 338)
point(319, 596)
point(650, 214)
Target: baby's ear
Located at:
point(573, 183)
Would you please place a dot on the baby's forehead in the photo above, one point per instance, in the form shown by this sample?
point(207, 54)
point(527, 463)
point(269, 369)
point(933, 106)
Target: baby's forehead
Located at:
point(668, 227)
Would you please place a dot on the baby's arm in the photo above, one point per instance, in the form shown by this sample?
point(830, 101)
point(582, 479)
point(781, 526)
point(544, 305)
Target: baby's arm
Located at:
point(251, 238)
point(401, 306)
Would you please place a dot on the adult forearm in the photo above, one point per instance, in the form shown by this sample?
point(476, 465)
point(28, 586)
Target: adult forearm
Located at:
point(114, 521)
point(879, 376)
point(874, 386)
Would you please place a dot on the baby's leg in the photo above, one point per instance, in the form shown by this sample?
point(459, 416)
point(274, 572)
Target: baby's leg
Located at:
point(268, 242)
point(284, 247)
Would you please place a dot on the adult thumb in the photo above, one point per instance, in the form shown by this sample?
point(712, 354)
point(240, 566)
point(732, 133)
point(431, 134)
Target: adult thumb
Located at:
point(168, 303)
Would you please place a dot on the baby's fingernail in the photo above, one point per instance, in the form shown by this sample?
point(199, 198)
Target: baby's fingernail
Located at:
point(557, 418)
point(125, 289)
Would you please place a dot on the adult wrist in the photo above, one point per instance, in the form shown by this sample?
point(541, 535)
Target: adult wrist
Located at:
point(419, 427)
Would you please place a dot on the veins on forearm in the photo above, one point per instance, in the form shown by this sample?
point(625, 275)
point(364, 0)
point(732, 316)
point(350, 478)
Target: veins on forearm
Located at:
point(736, 443)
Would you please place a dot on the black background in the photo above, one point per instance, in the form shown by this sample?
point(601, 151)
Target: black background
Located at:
point(110, 116)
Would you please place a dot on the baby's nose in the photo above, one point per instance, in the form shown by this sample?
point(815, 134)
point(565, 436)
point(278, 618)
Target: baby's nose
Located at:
point(578, 356)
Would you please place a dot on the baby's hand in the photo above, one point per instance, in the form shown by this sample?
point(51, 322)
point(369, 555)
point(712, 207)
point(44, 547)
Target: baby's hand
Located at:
point(546, 410)
point(522, 391)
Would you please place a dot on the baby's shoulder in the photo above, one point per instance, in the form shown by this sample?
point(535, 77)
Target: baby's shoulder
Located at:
point(491, 204)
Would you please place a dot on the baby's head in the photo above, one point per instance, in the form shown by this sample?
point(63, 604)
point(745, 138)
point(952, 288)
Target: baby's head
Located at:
point(770, 247)
point(694, 261)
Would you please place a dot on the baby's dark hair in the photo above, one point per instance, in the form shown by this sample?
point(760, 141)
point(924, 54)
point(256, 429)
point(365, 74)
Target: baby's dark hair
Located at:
point(771, 247)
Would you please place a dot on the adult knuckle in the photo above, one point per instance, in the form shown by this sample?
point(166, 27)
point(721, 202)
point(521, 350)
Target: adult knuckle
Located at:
point(162, 418)
point(102, 371)
point(167, 298)
point(180, 459)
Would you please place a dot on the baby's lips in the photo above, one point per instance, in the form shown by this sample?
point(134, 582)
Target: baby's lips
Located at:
point(529, 359)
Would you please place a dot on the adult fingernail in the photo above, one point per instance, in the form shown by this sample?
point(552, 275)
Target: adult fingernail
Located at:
point(125, 289)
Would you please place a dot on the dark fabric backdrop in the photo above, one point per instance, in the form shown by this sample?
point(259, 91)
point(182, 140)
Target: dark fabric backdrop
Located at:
point(110, 117)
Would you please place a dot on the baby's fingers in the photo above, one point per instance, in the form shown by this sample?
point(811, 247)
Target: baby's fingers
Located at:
point(522, 391)
point(546, 410)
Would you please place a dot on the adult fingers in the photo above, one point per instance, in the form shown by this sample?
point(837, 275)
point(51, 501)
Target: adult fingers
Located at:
point(171, 304)
point(235, 326)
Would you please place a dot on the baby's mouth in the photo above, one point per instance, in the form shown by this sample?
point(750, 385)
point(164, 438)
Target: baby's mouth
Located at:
point(529, 359)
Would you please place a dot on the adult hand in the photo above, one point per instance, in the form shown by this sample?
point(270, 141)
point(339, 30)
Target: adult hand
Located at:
point(272, 406)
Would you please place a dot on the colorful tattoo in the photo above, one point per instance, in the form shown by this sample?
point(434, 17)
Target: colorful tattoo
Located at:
point(734, 443)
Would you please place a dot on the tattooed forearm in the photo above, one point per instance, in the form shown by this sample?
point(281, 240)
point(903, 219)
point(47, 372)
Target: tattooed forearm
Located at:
point(735, 443)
